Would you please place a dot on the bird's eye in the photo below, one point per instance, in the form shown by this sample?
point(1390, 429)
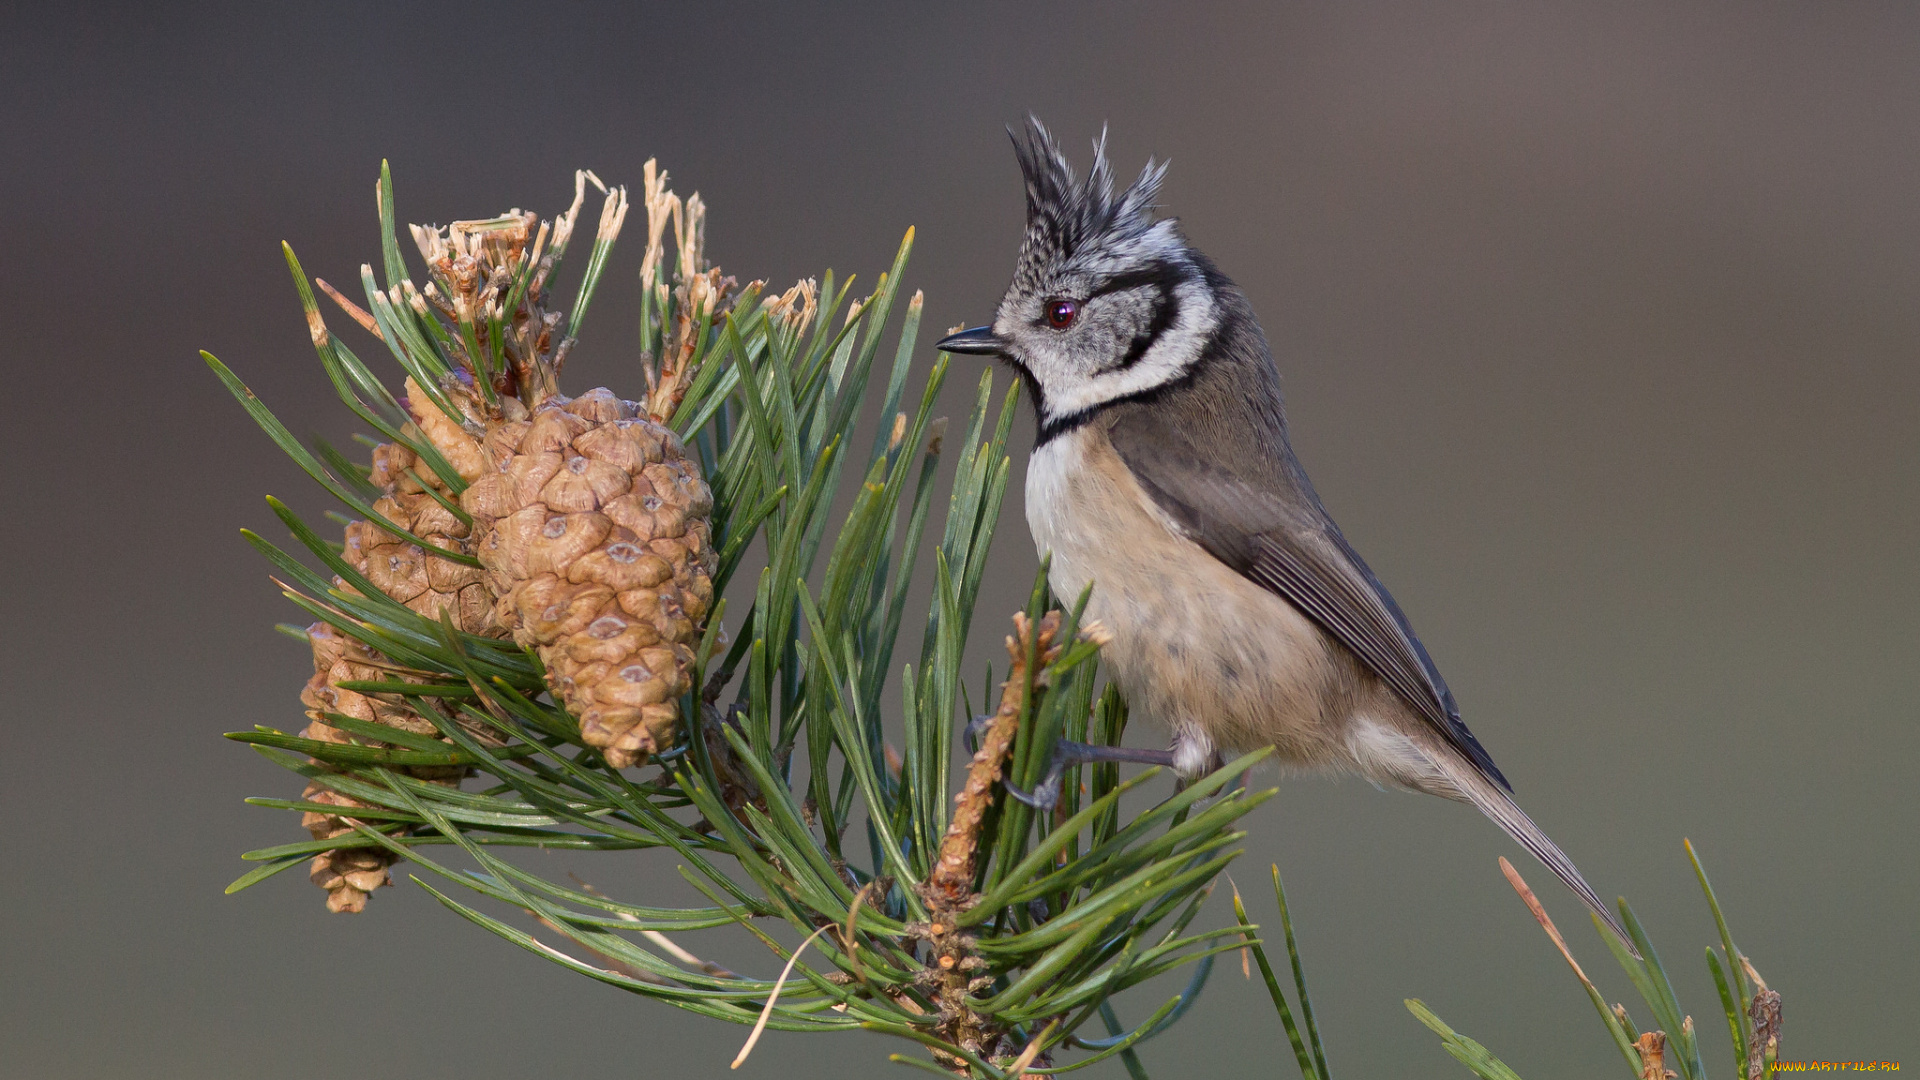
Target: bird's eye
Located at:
point(1060, 313)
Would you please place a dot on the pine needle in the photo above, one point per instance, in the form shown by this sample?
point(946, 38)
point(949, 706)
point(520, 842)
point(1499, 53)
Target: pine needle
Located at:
point(358, 313)
point(1027, 1056)
point(1540, 916)
point(766, 1013)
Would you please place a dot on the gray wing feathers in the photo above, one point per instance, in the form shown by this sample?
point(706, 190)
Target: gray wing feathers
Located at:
point(1350, 610)
point(1270, 528)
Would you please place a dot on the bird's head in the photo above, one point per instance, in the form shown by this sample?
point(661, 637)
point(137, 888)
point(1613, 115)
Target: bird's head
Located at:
point(1107, 301)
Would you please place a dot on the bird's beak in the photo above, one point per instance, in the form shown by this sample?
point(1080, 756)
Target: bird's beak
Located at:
point(979, 341)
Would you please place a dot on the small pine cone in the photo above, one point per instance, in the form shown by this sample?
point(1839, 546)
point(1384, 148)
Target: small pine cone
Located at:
point(348, 874)
point(401, 568)
point(425, 583)
point(595, 533)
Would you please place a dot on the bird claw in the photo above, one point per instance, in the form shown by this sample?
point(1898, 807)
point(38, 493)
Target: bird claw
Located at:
point(974, 729)
point(1046, 794)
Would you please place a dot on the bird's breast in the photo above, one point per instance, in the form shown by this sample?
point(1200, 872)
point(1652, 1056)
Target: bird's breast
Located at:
point(1195, 644)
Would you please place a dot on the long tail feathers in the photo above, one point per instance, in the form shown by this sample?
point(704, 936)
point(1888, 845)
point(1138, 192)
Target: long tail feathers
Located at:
point(1499, 806)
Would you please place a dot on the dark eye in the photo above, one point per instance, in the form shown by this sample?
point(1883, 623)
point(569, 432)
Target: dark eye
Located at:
point(1060, 313)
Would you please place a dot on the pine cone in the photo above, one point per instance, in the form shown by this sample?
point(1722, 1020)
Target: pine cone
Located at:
point(595, 533)
point(425, 583)
point(591, 522)
point(348, 874)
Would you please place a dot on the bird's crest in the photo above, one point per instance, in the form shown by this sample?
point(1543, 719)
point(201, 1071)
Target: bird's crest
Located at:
point(1068, 217)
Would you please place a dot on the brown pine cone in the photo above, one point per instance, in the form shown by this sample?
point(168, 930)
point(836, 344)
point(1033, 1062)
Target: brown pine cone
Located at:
point(348, 874)
point(595, 532)
point(426, 583)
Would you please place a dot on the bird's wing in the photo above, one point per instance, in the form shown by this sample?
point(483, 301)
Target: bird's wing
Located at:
point(1272, 530)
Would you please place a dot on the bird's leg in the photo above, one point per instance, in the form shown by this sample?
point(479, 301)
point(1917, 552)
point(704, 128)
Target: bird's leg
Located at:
point(1067, 752)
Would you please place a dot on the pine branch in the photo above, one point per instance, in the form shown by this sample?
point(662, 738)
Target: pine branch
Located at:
point(951, 883)
point(974, 929)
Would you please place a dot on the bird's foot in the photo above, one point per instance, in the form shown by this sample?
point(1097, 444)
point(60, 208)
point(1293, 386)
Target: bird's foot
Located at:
point(1066, 752)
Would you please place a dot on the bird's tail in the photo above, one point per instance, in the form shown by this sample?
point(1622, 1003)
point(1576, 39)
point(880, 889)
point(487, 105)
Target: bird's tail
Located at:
point(1498, 805)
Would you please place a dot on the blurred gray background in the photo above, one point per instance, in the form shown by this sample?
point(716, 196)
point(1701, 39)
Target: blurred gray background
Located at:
point(1600, 326)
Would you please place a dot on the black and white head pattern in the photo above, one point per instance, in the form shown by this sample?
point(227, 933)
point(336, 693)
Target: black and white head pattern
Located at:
point(1107, 303)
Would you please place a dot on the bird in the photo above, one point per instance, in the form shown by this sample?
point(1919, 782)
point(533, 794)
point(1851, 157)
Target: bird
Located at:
point(1162, 477)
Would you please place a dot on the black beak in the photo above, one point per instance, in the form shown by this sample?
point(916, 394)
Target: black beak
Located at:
point(979, 341)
